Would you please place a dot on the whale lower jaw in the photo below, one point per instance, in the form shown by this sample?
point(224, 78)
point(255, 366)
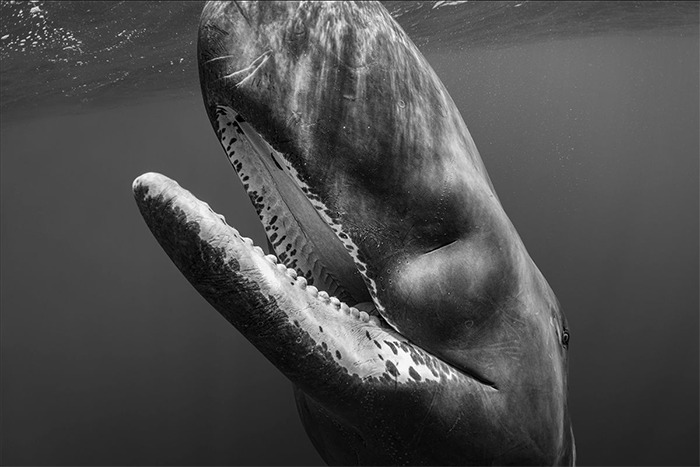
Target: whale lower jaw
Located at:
point(320, 343)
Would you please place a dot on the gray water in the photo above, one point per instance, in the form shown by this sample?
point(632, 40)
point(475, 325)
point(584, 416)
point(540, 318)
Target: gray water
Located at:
point(110, 357)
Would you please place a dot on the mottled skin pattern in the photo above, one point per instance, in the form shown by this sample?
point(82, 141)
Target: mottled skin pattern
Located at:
point(465, 359)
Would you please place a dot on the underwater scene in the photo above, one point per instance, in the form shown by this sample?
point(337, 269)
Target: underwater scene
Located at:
point(585, 115)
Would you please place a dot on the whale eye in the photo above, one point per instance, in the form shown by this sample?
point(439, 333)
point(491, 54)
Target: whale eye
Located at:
point(565, 338)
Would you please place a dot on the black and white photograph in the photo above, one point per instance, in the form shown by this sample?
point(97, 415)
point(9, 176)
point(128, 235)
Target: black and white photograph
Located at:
point(349, 233)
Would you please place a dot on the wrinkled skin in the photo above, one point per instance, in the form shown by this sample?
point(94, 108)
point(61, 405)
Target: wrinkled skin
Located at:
point(445, 345)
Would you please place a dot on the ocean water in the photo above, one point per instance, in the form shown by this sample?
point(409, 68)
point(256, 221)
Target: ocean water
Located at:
point(586, 116)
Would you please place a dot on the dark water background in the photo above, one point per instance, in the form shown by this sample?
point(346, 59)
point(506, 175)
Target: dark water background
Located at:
point(586, 116)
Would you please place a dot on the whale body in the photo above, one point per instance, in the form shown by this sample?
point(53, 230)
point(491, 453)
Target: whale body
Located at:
point(400, 300)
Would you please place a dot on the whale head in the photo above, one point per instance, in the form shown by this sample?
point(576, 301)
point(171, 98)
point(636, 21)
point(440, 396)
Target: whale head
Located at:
point(375, 201)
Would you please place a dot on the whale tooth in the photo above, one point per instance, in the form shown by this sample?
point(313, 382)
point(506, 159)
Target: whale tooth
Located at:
point(374, 320)
point(312, 290)
point(223, 219)
point(271, 258)
point(355, 312)
point(259, 250)
point(323, 295)
point(364, 316)
point(292, 273)
point(281, 268)
point(344, 307)
point(301, 280)
point(335, 302)
point(247, 241)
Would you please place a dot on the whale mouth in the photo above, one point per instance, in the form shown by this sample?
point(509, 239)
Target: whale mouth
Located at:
point(300, 233)
point(304, 239)
point(319, 342)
